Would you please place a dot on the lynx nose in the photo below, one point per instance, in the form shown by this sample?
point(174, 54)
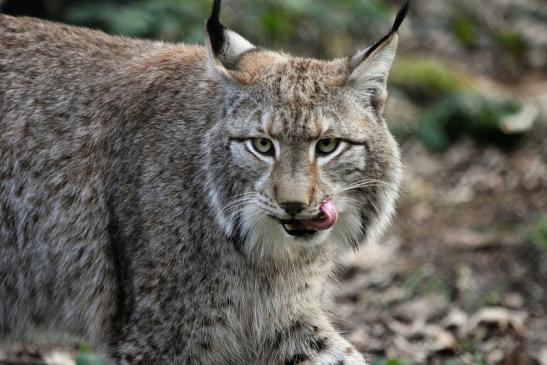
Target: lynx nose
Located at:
point(292, 208)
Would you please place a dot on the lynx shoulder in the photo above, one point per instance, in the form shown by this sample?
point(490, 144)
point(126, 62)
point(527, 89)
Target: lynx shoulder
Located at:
point(178, 204)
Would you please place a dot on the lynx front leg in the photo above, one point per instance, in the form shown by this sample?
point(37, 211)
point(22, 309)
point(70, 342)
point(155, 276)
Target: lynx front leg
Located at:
point(315, 345)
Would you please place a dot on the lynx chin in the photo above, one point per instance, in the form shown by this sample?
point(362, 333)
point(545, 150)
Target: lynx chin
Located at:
point(176, 204)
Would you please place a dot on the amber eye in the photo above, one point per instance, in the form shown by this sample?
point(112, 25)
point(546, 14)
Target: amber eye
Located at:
point(263, 146)
point(327, 146)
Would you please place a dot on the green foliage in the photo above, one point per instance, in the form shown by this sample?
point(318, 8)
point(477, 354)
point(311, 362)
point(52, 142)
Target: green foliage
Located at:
point(302, 26)
point(455, 115)
point(87, 358)
point(167, 19)
point(387, 362)
point(511, 42)
point(451, 105)
point(538, 233)
point(422, 281)
point(413, 281)
point(492, 298)
point(464, 31)
point(82, 346)
point(471, 346)
point(426, 78)
point(461, 114)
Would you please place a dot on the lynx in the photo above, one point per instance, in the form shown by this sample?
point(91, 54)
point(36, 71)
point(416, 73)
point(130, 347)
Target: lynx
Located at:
point(177, 204)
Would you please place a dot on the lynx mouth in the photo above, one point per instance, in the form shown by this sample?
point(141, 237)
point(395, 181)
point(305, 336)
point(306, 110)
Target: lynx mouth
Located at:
point(297, 228)
point(323, 221)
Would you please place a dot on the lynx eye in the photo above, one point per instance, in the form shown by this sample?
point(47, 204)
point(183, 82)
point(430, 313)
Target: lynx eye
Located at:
point(327, 146)
point(263, 146)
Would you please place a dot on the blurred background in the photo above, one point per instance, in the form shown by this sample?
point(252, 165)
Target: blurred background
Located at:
point(461, 276)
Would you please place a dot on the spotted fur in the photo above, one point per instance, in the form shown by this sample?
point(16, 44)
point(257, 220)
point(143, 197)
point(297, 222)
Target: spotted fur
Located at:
point(134, 211)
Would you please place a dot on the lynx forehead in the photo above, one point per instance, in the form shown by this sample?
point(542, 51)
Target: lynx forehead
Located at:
point(177, 204)
point(296, 82)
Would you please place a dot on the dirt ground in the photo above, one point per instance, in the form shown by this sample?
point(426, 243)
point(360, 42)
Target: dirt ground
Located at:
point(457, 280)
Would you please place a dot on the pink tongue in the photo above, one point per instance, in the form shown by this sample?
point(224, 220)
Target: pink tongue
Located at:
point(330, 214)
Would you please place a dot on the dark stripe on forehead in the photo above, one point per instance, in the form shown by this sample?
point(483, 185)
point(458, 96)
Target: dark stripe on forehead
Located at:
point(232, 105)
point(257, 117)
point(241, 104)
point(305, 125)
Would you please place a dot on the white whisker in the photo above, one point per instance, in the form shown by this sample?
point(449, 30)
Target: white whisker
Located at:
point(368, 183)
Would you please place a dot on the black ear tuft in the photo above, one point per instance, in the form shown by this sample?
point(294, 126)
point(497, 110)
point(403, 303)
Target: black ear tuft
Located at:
point(400, 16)
point(215, 29)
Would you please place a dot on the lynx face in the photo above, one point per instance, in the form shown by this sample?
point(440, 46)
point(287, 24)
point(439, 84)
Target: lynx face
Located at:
point(301, 155)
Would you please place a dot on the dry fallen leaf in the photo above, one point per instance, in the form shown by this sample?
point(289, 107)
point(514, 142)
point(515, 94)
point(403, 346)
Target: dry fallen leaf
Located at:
point(420, 309)
point(444, 342)
point(456, 321)
point(500, 317)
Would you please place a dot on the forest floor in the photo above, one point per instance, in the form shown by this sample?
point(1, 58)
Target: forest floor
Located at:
point(461, 277)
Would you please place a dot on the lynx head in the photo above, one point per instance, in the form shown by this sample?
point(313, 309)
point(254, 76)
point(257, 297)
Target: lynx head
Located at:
point(300, 155)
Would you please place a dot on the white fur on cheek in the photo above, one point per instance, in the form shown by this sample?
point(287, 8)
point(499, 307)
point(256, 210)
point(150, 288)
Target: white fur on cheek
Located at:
point(265, 237)
point(213, 195)
point(349, 225)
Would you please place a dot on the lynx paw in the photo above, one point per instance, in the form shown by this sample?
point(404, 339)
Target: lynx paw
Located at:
point(348, 356)
point(330, 351)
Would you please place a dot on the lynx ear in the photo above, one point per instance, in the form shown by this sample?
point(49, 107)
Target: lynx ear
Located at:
point(225, 46)
point(369, 68)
